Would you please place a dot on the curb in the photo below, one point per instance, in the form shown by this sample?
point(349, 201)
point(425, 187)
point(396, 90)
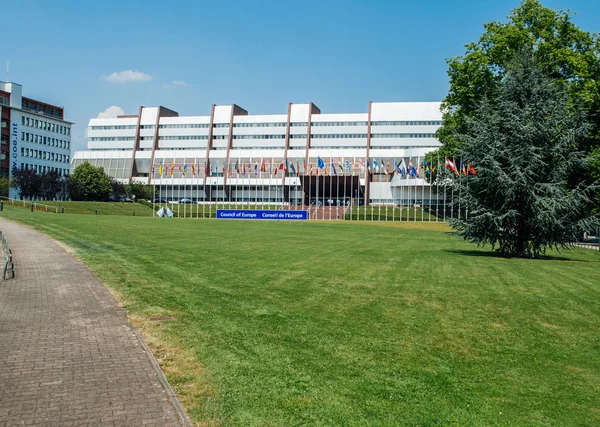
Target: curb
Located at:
point(183, 418)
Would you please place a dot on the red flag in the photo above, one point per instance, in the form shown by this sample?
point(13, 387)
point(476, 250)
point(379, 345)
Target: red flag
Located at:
point(451, 165)
point(470, 168)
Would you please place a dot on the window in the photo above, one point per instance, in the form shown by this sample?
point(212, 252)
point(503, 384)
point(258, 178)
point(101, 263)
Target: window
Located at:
point(221, 125)
point(294, 124)
point(23, 120)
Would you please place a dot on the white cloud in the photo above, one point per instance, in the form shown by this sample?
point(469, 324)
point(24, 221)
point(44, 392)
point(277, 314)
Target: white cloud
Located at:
point(111, 113)
point(127, 76)
point(175, 83)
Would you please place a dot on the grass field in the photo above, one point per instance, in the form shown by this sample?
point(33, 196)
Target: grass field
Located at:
point(104, 208)
point(337, 323)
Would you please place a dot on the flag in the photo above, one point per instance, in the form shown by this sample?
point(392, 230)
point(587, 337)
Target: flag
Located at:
point(193, 169)
point(369, 167)
point(463, 168)
point(297, 167)
point(244, 169)
point(387, 169)
point(169, 213)
point(349, 166)
point(402, 166)
point(426, 167)
point(160, 169)
point(237, 166)
point(160, 212)
point(451, 165)
point(375, 166)
point(470, 168)
point(292, 168)
point(320, 163)
point(333, 168)
point(340, 166)
point(184, 169)
point(263, 167)
point(172, 167)
point(179, 166)
point(256, 167)
point(217, 167)
point(411, 168)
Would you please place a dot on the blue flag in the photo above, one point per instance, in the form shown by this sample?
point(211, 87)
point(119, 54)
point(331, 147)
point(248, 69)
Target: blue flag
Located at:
point(320, 163)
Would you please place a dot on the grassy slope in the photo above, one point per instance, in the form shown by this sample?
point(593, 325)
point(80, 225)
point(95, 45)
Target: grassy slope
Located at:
point(333, 323)
point(104, 208)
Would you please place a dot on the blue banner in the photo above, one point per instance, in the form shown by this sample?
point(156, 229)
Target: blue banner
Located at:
point(262, 214)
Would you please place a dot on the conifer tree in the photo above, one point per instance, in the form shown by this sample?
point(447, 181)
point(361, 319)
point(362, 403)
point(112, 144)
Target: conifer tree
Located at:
point(522, 145)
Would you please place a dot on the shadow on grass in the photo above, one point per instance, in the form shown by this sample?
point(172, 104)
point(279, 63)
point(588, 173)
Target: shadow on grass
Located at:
point(495, 254)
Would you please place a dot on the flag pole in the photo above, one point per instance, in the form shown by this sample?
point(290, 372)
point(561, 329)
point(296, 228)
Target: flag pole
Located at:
point(153, 191)
point(423, 195)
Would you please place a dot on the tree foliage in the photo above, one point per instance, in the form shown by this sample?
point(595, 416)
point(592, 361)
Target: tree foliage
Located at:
point(563, 51)
point(521, 143)
point(28, 182)
point(89, 183)
point(4, 185)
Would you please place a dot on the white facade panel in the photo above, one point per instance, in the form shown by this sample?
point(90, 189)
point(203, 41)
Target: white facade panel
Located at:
point(395, 111)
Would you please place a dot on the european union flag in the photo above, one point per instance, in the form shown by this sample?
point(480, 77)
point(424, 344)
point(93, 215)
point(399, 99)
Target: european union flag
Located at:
point(320, 163)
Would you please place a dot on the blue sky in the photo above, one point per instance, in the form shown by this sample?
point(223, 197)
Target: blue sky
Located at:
point(262, 54)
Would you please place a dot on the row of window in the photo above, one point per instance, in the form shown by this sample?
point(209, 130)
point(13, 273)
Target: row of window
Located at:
point(185, 126)
point(313, 136)
point(45, 140)
point(44, 155)
point(409, 123)
point(259, 125)
point(43, 125)
point(278, 124)
point(43, 169)
point(113, 127)
point(112, 138)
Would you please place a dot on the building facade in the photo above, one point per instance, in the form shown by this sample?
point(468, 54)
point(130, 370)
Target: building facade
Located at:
point(34, 134)
point(299, 157)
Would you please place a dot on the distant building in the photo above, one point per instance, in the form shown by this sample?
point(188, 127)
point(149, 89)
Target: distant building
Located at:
point(34, 134)
point(303, 156)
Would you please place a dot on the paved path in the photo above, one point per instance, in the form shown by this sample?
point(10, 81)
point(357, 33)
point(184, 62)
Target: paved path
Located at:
point(68, 356)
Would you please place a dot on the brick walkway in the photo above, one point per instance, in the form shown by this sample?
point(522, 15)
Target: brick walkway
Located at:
point(68, 356)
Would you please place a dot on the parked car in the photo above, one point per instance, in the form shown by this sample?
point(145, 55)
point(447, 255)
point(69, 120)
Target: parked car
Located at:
point(157, 200)
point(591, 237)
point(125, 199)
point(186, 201)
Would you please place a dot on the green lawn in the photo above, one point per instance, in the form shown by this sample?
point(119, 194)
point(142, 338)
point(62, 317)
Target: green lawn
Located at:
point(338, 323)
point(103, 208)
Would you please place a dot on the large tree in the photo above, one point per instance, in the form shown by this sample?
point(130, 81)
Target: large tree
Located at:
point(51, 185)
point(521, 142)
point(563, 51)
point(27, 182)
point(89, 183)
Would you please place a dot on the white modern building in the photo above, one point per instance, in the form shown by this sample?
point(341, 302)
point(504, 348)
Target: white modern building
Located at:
point(34, 134)
point(298, 157)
